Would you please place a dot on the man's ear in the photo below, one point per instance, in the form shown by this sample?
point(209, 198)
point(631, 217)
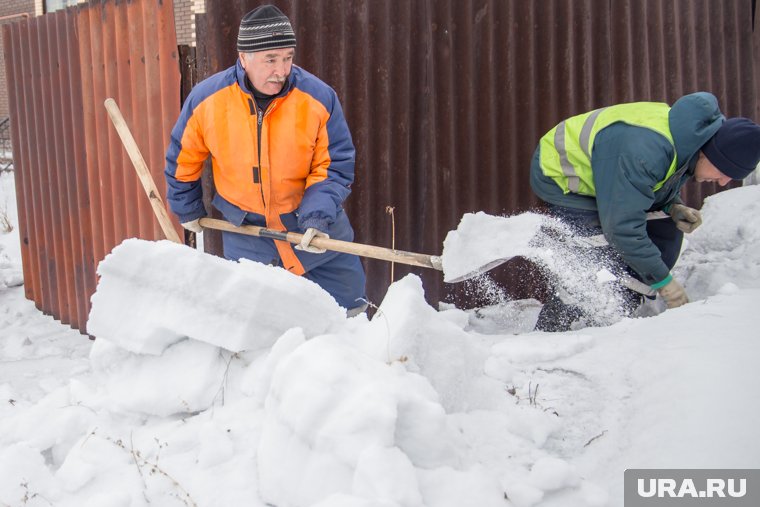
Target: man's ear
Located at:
point(241, 57)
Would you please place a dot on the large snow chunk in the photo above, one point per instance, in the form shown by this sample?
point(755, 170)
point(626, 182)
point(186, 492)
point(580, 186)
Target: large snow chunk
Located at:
point(480, 240)
point(185, 378)
point(153, 294)
point(333, 413)
point(432, 343)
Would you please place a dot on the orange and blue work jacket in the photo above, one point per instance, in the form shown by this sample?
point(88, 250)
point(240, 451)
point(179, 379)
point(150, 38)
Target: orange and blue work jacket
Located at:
point(286, 168)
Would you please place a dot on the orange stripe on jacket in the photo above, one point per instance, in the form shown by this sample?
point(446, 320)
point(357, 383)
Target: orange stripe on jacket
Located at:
point(234, 145)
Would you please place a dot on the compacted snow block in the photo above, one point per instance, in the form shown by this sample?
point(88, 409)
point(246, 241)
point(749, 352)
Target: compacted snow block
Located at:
point(188, 372)
point(153, 294)
point(482, 241)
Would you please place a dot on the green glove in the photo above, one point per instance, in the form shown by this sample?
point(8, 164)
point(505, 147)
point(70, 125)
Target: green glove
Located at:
point(673, 293)
point(687, 219)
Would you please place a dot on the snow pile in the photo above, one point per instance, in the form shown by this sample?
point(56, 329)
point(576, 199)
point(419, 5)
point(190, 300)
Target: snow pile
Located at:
point(431, 343)
point(151, 295)
point(338, 420)
point(726, 248)
point(366, 414)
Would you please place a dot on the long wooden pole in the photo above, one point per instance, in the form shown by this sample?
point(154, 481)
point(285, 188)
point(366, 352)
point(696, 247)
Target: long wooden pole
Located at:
point(142, 170)
point(335, 245)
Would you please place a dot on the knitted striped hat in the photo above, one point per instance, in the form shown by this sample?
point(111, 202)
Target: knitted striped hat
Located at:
point(265, 27)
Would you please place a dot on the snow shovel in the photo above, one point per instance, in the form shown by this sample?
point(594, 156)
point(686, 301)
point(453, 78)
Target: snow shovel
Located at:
point(335, 245)
point(374, 252)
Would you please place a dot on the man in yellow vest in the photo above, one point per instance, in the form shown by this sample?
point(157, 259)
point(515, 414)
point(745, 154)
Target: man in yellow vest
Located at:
point(604, 170)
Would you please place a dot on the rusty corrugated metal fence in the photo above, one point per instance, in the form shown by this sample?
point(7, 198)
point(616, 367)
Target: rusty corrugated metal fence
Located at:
point(77, 193)
point(446, 99)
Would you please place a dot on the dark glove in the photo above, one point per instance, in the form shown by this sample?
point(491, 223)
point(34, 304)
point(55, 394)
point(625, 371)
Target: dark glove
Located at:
point(687, 219)
point(674, 294)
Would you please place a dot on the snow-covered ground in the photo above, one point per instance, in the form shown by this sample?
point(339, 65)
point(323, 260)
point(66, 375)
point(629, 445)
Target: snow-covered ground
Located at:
point(276, 399)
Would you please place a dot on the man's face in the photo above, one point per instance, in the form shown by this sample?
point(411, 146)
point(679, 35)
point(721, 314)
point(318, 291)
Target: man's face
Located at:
point(706, 171)
point(267, 70)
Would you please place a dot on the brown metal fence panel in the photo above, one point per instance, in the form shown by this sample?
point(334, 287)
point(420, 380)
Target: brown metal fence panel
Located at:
point(78, 195)
point(446, 99)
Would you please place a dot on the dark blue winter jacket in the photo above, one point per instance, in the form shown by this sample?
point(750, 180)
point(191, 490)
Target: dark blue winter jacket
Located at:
point(627, 162)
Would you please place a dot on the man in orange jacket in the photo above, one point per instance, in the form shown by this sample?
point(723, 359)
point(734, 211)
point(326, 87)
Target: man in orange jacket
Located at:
point(282, 158)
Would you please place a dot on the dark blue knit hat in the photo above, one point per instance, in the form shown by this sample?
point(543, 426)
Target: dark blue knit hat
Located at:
point(735, 148)
point(265, 27)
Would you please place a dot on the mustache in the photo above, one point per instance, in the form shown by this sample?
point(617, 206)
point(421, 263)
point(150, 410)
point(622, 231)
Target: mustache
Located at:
point(278, 80)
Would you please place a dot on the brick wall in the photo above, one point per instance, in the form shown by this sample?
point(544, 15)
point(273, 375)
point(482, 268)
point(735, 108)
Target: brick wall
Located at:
point(184, 20)
point(7, 8)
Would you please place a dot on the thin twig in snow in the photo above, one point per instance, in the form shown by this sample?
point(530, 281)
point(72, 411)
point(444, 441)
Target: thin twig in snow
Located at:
point(594, 438)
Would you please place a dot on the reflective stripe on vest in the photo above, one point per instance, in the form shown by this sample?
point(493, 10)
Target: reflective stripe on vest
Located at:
point(566, 149)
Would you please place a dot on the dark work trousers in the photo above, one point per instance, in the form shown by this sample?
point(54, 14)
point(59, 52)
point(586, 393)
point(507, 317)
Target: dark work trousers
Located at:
point(558, 316)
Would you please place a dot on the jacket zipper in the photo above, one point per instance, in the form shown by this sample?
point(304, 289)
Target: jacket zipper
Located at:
point(259, 122)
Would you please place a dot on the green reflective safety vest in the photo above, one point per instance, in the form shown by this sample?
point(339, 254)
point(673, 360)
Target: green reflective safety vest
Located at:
point(566, 149)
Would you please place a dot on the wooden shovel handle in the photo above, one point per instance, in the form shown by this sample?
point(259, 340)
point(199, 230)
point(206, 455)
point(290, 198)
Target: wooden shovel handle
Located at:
point(335, 245)
point(142, 170)
point(374, 252)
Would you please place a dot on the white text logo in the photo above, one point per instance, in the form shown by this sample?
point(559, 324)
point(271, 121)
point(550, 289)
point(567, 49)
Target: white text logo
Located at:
point(715, 488)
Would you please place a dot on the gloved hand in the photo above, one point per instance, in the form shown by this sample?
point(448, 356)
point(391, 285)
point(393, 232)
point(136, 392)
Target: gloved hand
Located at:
point(193, 225)
point(310, 234)
point(674, 294)
point(687, 219)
